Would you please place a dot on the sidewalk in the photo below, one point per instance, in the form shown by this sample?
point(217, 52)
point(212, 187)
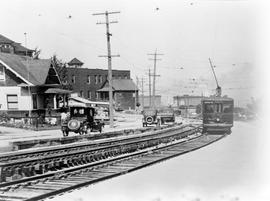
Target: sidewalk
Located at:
point(8, 134)
point(124, 121)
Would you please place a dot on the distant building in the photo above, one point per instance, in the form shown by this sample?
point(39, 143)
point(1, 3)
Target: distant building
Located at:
point(125, 92)
point(86, 82)
point(145, 101)
point(29, 85)
point(11, 47)
point(187, 104)
point(187, 100)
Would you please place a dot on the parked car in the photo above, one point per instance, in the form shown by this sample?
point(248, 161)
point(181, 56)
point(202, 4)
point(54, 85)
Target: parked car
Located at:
point(150, 117)
point(166, 115)
point(80, 120)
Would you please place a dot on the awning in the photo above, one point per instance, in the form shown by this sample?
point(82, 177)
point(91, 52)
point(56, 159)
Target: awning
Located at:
point(105, 89)
point(86, 102)
point(57, 91)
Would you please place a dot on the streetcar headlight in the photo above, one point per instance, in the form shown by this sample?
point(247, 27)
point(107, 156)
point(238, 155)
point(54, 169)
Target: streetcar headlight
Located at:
point(218, 119)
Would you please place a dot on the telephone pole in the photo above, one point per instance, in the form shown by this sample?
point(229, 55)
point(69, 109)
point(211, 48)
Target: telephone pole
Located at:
point(109, 56)
point(137, 86)
point(142, 94)
point(154, 76)
point(28, 75)
point(150, 98)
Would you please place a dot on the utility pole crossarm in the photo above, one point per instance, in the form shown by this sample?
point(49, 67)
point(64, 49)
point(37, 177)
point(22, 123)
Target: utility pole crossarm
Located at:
point(106, 13)
point(109, 56)
point(155, 59)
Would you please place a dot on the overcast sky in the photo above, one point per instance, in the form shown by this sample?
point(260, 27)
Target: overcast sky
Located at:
point(186, 32)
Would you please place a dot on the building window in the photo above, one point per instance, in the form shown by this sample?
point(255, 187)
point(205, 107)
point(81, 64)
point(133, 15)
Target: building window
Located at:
point(96, 79)
point(81, 94)
point(2, 73)
point(97, 96)
point(73, 79)
point(12, 102)
point(100, 79)
point(88, 79)
point(89, 94)
point(34, 98)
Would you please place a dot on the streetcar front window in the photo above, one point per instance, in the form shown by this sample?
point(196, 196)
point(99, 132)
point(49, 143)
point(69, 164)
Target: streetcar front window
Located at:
point(227, 108)
point(209, 108)
point(213, 108)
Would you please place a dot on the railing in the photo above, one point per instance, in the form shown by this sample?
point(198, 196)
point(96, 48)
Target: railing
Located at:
point(34, 123)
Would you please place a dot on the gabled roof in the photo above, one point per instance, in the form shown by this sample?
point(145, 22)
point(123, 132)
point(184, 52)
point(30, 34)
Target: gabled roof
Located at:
point(4, 39)
point(18, 47)
point(34, 71)
point(75, 61)
point(120, 85)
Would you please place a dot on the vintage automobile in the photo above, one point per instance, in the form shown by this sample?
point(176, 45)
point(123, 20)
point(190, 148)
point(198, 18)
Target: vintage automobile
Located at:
point(80, 120)
point(166, 115)
point(150, 117)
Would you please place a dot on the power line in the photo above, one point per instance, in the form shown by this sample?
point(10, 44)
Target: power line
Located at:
point(109, 56)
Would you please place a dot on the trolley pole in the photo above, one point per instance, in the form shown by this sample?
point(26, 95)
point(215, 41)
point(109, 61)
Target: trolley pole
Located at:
point(109, 56)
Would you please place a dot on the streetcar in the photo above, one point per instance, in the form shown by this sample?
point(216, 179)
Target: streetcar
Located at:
point(217, 115)
point(217, 111)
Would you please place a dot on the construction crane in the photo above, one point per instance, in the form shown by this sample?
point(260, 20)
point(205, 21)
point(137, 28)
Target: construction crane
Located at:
point(218, 89)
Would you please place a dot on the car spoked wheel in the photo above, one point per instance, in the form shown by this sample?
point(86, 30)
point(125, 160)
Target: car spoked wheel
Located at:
point(149, 119)
point(74, 124)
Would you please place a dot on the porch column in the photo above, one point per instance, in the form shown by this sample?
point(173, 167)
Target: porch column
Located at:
point(54, 101)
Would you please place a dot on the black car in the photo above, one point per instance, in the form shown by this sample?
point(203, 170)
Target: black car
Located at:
point(166, 115)
point(80, 120)
point(150, 117)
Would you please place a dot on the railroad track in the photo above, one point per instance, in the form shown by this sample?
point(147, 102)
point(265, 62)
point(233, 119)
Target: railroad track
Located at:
point(22, 165)
point(54, 183)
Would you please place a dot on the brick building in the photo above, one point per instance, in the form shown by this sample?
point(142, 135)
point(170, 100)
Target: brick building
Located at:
point(86, 82)
point(125, 93)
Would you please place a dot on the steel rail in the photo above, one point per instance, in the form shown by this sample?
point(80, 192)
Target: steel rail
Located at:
point(53, 184)
point(34, 152)
point(27, 167)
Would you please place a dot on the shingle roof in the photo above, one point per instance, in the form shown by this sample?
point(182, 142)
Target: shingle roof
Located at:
point(4, 39)
point(34, 71)
point(18, 47)
point(75, 61)
point(121, 85)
